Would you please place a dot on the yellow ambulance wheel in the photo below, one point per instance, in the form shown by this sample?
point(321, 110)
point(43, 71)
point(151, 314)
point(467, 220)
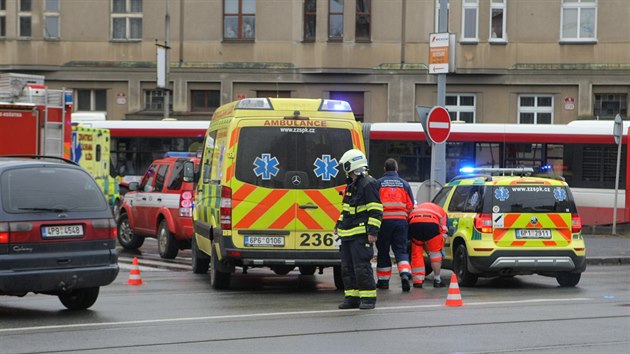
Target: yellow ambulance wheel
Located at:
point(307, 270)
point(200, 260)
point(460, 267)
point(220, 279)
point(566, 279)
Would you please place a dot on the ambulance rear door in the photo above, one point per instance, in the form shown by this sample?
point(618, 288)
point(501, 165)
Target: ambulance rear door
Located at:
point(287, 185)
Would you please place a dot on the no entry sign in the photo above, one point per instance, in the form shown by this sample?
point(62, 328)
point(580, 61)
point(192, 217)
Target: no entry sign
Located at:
point(438, 125)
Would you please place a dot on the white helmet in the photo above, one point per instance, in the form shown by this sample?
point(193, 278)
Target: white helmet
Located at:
point(353, 161)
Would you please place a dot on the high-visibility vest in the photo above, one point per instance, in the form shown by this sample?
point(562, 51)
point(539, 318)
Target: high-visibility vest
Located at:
point(429, 212)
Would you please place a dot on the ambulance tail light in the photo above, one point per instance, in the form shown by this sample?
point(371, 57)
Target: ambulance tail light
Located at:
point(4, 233)
point(226, 208)
point(185, 204)
point(483, 223)
point(576, 223)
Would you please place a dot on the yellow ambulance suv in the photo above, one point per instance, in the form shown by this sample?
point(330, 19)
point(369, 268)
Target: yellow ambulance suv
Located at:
point(506, 222)
point(269, 193)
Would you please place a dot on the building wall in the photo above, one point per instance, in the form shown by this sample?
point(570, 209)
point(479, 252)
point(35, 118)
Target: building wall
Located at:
point(391, 68)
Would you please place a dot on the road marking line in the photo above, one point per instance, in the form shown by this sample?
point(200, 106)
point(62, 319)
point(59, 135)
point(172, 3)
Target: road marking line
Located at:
point(268, 314)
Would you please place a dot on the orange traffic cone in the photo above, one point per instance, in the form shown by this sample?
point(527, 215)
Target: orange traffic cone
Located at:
point(454, 298)
point(134, 273)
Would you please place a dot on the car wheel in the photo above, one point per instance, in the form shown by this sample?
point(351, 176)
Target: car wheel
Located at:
point(460, 267)
point(337, 277)
point(79, 299)
point(167, 243)
point(127, 238)
point(307, 270)
point(220, 280)
point(566, 279)
point(200, 261)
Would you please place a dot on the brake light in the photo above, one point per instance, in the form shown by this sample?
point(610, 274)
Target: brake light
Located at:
point(226, 208)
point(4, 233)
point(483, 223)
point(576, 223)
point(113, 229)
point(185, 204)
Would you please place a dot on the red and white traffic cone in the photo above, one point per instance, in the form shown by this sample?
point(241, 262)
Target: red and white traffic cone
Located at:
point(134, 273)
point(454, 297)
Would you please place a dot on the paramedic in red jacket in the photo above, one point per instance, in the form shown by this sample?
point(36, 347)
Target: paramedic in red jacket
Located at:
point(427, 227)
point(397, 199)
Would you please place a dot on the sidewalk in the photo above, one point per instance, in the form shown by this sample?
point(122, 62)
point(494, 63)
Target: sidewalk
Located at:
point(607, 249)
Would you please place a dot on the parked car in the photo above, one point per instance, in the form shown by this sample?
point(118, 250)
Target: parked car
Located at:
point(57, 232)
point(160, 206)
point(512, 224)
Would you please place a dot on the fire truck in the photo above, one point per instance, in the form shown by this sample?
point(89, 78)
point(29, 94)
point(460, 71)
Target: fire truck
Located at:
point(34, 119)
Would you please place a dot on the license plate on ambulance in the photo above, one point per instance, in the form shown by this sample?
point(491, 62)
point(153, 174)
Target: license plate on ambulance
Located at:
point(62, 231)
point(264, 241)
point(533, 233)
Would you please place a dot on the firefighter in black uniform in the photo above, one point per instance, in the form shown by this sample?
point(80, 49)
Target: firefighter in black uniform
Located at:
point(358, 227)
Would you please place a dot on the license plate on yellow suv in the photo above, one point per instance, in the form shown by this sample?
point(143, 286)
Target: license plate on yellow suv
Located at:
point(533, 233)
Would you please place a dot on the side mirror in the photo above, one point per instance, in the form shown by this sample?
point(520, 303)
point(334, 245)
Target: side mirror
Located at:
point(133, 186)
point(189, 171)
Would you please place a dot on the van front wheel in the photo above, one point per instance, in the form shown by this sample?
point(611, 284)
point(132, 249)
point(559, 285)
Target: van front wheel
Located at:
point(220, 280)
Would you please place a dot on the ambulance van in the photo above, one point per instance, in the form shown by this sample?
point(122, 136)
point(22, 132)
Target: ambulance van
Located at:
point(269, 193)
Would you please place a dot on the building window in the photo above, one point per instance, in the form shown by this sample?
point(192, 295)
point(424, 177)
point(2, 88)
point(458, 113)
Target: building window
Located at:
point(310, 20)
point(335, 19)
point(51, 19)
point(25, 16)
point(437, 15)
point(470, 19)
point(608, 105)
point(534, 109)
point(204, 100)
point(461, 107)
point(363, 20)
point(497, 21)
point(126, 19)
point(91, 100)
point(154, 100)
point(239, 19)
point(579, 20)
point(3, 18)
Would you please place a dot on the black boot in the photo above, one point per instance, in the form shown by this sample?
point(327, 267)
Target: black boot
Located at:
point(368, 303)
point(350, 302)
point(382, 284)
point(405, 282)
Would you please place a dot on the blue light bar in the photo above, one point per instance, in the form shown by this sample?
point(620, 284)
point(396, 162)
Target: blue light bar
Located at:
point(179, 154)
point(335, 106)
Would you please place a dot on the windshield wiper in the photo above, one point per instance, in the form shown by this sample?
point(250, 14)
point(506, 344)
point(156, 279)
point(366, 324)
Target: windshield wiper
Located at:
point(54, 210)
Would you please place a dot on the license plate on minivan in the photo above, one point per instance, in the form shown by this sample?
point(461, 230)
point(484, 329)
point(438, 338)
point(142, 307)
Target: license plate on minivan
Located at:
point(62, 231)
point(264, 241)
point(533, 233)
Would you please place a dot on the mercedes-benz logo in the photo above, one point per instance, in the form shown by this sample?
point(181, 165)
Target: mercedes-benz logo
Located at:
point(296, 180)
point(534, 220)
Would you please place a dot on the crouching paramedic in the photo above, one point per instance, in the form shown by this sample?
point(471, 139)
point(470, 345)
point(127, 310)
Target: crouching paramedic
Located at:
point(427, 227)
point(358, 227)
point(397, 200)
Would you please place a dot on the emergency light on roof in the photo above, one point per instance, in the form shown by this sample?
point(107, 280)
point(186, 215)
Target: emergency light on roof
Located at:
point(335, 106)
point(254, 103)
point(180, 154)
point(519, 171)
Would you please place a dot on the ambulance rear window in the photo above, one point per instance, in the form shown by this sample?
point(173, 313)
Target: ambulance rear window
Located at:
point(292, 158)
point(531, 199)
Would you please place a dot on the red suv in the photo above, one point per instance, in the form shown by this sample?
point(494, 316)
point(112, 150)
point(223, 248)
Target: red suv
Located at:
point(160, 206)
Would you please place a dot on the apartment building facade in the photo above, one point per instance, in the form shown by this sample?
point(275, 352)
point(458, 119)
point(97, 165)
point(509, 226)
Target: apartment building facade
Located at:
point(516, 61)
